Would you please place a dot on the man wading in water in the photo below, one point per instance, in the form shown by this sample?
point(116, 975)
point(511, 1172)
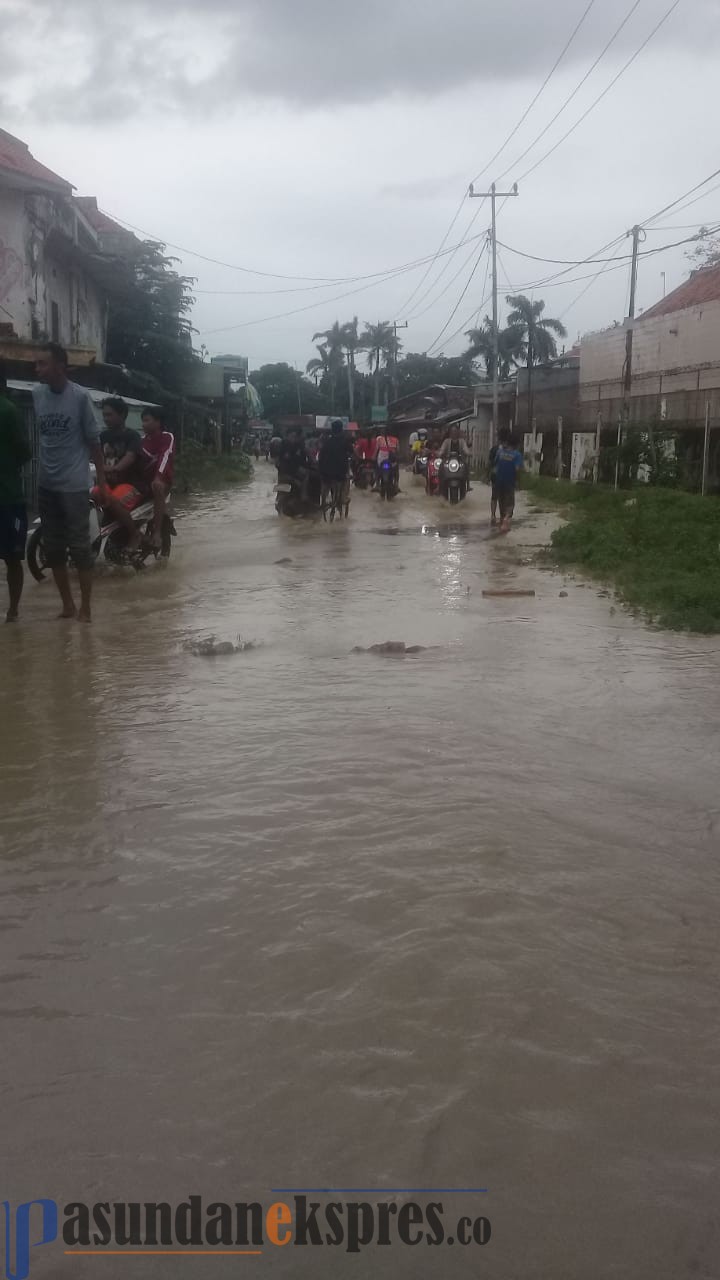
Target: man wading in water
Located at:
point(69, 437)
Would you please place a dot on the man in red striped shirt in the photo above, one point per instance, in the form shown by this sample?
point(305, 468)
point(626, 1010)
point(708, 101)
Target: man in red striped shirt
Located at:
point(157, 457)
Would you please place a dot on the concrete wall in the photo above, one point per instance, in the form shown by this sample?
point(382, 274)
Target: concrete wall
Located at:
point(676, 367)
point(14, 268)
point(34, 275)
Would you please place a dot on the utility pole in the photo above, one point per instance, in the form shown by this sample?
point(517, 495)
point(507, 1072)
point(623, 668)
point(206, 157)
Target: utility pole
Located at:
point(637, 233)
point(396, 324)
point(493, 194)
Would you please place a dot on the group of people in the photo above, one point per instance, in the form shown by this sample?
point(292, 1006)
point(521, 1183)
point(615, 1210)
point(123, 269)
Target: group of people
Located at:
point(129, 469)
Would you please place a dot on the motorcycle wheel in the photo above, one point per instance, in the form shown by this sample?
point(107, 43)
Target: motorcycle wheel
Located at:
point(453, 495)
point(36, 555)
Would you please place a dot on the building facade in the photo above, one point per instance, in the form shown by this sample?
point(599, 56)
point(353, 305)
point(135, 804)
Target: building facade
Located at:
point(52, 274)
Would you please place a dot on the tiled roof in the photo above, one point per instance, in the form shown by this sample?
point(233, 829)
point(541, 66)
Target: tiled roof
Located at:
point(703, 286)
point(15, 158)
point(97, 219)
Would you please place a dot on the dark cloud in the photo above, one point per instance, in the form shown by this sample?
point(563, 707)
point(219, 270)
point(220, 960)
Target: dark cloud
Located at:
point(174, 55)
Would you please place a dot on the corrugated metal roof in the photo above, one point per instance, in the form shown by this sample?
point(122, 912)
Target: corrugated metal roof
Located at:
point(15, 157)
point(703, 286)
point(97, 397)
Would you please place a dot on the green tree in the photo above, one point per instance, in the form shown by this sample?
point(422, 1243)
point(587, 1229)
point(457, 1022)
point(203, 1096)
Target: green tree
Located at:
point(511, 348)
point(377, 340)
point(538, 334)
point(351, 345)
point(284, 391)
point(333, 340)
point(415, 371)
point(149, 329)
point(706, 252)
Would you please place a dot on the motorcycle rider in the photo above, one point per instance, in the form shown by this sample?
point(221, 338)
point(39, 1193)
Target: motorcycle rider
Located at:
point(386, 447)
point(293, 462)
point(454, 445)
point(122, 448)
point(334, 460)
point(158, 455)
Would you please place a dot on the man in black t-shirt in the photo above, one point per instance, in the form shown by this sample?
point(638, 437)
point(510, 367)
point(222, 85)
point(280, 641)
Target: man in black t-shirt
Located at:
point(122, 448)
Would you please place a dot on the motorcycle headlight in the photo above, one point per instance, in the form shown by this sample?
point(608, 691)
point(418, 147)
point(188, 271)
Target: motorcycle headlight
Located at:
point(453, 465)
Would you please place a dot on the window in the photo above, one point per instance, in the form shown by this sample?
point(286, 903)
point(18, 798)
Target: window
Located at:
point(54, 322)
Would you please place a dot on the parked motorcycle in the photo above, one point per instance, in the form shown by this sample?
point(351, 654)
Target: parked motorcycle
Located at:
point(387, 479)
point(108, 539)
point(432, 478)
point(454, 478)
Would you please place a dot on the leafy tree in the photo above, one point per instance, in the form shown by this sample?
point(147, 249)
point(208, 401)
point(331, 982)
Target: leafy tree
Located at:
point(511, 347)
point(351, 345)
point(706, 252)
point(284, 391)
point(333, 340)
point(377, 340)
point(149, 329)
point(416, 371)
point(538, 334)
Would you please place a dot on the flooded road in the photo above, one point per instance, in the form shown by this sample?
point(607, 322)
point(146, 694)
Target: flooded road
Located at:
point(302, 917)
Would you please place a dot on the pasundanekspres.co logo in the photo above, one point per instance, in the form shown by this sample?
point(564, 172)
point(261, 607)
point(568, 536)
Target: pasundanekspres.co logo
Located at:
point(321, 1218)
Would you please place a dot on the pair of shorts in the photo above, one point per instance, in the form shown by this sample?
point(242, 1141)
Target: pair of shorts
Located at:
point(505, 495)
point(65, 521)
point(13, 531)
point(127, 494)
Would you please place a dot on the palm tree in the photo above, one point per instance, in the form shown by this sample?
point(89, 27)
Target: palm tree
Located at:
point(511, 347)
point(332, 341)
point(378, 340)
point(319, 366)
point(351, 344)
point(538, 332)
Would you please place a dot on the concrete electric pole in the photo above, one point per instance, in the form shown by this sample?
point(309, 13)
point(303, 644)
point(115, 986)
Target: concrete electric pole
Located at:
point(493, 194)
point(396, 324)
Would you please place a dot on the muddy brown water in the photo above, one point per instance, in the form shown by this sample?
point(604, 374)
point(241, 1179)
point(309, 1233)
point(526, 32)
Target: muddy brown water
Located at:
point(298, 917)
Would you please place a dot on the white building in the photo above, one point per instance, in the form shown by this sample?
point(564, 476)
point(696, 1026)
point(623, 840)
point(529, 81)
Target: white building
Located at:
point(51, 270)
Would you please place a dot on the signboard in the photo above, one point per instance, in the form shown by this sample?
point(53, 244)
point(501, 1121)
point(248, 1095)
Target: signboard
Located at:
point(379, 413)
point(323, 421)
point(234, 364)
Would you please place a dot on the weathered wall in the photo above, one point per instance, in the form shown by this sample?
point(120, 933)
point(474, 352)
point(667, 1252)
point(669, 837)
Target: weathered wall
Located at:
point(676, 367)
point(34, 274)
point(14, 274)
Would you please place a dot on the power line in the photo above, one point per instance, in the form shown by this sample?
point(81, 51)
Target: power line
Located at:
point(468, 319)
point(498, 153)
point(540, 91)
point(417, 314)
point(586, 287)
point(654, 217)
point(604, 93)
point(454, 311)
point(575, 91)
point(414, 314)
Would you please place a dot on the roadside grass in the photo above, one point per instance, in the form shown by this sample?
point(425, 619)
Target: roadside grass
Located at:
point(195, 468)
point(659, 548)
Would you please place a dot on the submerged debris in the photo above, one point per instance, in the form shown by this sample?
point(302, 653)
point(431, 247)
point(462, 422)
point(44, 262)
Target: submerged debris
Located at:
point(212, 648)
point(394, 648)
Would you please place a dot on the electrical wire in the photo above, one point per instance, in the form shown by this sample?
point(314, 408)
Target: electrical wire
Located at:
point(575, 91)
point(596, 101)
point(467, 321)
point(585, 289)
point(497, 154)
point(454, 311)
point(416, 315)
point(654, 217)
point(540, 91)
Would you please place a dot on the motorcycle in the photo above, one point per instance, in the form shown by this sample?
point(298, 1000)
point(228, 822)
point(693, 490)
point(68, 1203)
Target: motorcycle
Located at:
point(432, 477)
point(290, 499)
point(454, 478)
point(108, 539)
point(365, 474)
point(387, 479)
point(420, 463)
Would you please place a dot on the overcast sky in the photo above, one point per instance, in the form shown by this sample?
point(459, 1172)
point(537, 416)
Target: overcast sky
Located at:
point(330, 139)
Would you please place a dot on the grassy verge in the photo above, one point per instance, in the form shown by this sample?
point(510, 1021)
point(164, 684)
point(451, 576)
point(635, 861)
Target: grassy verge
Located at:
point(197, 469)
point(659, 548)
